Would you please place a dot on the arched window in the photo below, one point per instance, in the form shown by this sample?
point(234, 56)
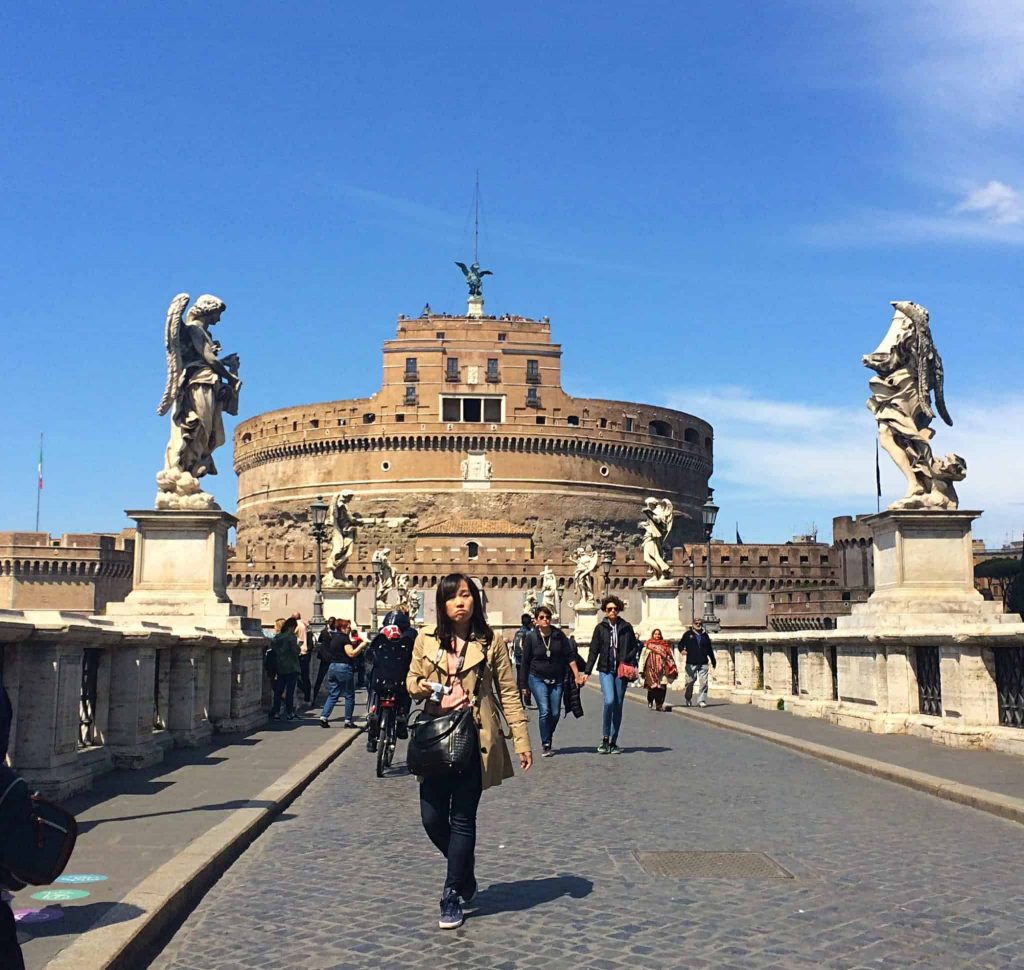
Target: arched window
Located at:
point(660, 428)
point(473, 549)
point(691, 435)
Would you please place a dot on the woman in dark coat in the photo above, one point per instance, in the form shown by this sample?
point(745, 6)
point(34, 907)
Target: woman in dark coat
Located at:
point(613, 644)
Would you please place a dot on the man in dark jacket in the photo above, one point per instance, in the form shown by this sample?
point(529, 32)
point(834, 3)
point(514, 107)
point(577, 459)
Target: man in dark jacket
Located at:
point(525, 626)
point(388, 657)
point(697, 645)
point(321, 646)
point(613, 643)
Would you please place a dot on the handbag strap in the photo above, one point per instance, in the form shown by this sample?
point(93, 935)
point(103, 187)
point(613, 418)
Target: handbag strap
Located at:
point(7, 790)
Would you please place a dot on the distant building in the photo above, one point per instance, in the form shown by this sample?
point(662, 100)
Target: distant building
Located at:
point(78, 573)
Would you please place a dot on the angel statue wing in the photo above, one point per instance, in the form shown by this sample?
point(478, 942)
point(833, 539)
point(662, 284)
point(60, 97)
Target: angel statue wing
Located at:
point(664, 514)
point(175, 370)
point(463, 267)
point(484, 272)
point(936, 375)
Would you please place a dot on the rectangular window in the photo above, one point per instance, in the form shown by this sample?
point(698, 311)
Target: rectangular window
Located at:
point(471, 409)
point(743, 599)
point(629, 424)
point(410, 365)
point(824, 560)
point(719, 599)
point(502, 337)
point(804, 560)
point(451, 409)
point(726, 560)
point(439, 335)
point(492, 365)
point(531, 396)
point(762, 560)
point(532, 372)
point(602, 422)
point(744, 560)
point(410, 395)
point(492, 410)
point(783, 560)
point(399, 417)
point(451, 368)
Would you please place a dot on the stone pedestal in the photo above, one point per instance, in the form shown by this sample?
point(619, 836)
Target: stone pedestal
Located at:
point(924, 574)
point(340, 602)
point(181, 572)
point(584, 626)
point(659, 609)
point(475, 307)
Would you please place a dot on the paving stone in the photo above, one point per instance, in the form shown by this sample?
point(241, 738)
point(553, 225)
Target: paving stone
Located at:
point(883, 876)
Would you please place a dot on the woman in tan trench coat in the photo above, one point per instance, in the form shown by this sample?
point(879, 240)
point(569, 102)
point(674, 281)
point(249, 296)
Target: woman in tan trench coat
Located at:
point(464, 654)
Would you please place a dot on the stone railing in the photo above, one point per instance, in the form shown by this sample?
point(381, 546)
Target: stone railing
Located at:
point(963, 688)
point(92, 694)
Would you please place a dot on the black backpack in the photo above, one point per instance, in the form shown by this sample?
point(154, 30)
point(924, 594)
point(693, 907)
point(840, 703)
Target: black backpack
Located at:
point(40, 836)
point(270, 662)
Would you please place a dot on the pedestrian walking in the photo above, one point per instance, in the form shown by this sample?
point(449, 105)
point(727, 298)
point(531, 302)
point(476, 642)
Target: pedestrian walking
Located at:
point(697, 645)
point(615, 651)
point(286, 665)
point(302, 635)
point(658, 669)
point(547, 658)
point(469, 663)
point(321, 653)
point(342, 657)
point(388, 657)
point(525, 626)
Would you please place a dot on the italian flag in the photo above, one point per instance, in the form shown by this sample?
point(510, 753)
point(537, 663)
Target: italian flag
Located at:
point(40, 463)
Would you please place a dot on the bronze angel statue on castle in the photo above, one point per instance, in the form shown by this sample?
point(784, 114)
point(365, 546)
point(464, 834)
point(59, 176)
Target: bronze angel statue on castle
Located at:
point(201, 387)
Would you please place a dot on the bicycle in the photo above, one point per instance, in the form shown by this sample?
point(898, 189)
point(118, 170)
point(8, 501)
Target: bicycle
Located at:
point(387, 731)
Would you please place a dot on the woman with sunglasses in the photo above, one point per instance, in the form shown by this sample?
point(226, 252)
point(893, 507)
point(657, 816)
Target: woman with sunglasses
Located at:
point(547, 659)
point(614, 649)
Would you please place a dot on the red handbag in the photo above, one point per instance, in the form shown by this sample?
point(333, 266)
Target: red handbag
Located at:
point(626, 671)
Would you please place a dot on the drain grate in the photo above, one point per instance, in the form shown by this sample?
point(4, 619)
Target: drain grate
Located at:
point(712, 865)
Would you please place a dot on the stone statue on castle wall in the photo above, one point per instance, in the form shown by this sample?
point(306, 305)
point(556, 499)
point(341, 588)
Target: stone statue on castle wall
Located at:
point(654, 528)
point(343, 538)
point(586, 560)
point(908, 375)
point(201, 387)
point(549, 590)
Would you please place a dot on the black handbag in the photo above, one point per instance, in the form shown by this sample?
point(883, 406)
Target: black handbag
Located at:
point(445, 744)
point(40, 836)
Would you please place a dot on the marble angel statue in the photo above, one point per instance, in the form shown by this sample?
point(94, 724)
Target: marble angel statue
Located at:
point(343, 523)
point(655, 527)
point(583, 574)
point(909, 375)
point(201, 387)
point(549, 590)
point(385, 577)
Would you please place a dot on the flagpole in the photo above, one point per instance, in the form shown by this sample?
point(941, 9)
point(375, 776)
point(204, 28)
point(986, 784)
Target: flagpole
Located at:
point(39, 482)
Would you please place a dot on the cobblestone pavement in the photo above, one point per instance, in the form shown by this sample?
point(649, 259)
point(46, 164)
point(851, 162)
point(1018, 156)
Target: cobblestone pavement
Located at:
point(882, 876)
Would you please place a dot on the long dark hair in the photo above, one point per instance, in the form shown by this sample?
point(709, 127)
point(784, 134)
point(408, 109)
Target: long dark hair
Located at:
point(446, 589)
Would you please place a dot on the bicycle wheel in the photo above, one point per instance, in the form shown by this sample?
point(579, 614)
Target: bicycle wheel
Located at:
point(383, 761)
point(391, 736)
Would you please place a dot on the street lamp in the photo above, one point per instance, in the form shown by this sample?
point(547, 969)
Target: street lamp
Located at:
point(607, 558)
point(252, 582)
point(318, 527)
point(693, 585)
point(378, 570)
point(709, 512)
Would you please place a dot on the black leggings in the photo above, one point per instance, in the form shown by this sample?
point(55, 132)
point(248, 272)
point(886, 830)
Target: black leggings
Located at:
point(448, 810)
point(10, 952)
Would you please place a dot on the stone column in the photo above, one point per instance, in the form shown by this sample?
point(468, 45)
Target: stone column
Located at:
point(969, 685)
point(130, 736)
point(187, 715)
point(46, 731)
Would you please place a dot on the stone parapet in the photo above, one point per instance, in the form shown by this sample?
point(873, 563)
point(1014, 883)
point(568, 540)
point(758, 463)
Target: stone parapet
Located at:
point(962, 687)
point(91, 694)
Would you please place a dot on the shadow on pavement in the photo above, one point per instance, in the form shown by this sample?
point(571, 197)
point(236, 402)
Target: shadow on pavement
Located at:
point(80, 919)
point(513, 897)
point(89, 824)
point(593, 750)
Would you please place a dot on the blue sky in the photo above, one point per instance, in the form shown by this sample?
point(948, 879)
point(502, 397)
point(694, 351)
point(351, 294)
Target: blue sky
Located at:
point(714, 203)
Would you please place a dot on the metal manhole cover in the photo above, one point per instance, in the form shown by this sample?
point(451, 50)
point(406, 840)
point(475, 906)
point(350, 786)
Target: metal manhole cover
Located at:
point(712, 865)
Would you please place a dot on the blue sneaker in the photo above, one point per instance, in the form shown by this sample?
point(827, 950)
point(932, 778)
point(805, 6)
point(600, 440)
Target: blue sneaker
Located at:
point(452, 916)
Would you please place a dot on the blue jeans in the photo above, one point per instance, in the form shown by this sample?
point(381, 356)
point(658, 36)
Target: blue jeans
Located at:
point(341, 680)
point(613, 690)
point(549, 705)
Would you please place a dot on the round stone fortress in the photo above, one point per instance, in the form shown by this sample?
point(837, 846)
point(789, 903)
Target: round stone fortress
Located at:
point(470, 432)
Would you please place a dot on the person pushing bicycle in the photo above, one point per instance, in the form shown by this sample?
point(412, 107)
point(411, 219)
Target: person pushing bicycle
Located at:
point(389, 657)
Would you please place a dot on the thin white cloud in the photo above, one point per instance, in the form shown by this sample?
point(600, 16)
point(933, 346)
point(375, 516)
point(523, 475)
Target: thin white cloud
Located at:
point(994, 202)
point(792, 454)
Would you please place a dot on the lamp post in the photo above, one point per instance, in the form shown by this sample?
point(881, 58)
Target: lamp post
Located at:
point(607, 558)
point(318, 528)
point(709, 512)
point(693, 585)
point(378, 569)
point(252, 584)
